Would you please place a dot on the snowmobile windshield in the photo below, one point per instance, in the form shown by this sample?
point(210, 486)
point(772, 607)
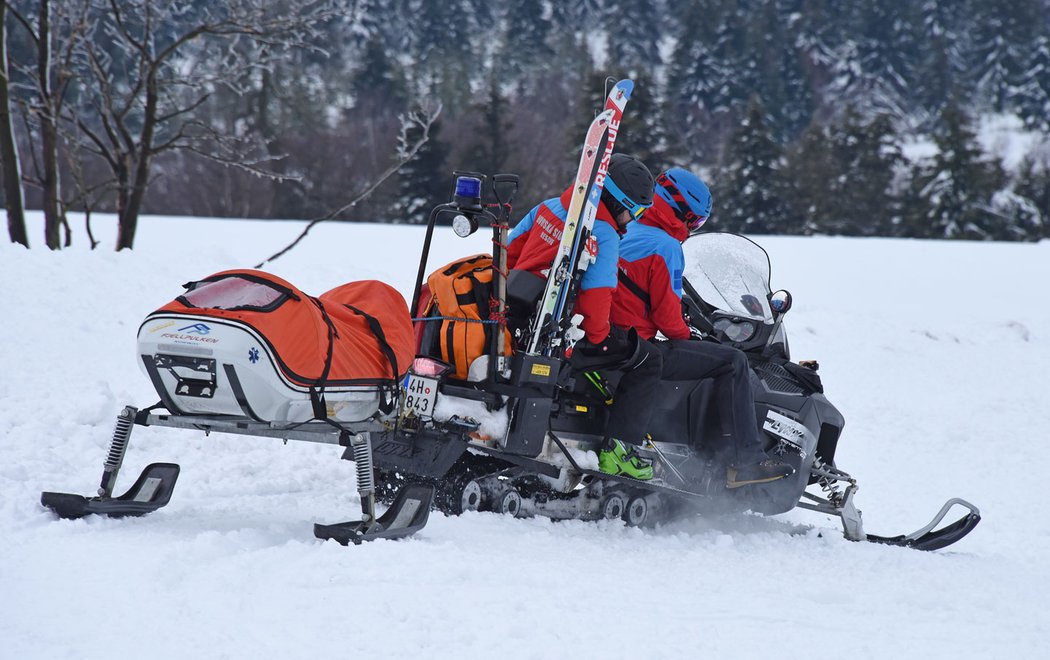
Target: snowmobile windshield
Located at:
point(731, 273)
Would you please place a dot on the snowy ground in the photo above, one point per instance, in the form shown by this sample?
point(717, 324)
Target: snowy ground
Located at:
point(936, 353)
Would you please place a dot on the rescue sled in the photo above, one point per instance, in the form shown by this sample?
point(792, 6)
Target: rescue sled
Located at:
point(247, 352)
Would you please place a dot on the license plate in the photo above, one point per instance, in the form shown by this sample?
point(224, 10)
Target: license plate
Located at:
point(420, 395)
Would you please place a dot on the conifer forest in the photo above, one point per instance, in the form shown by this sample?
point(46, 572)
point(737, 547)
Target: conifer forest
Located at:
point(835, 117)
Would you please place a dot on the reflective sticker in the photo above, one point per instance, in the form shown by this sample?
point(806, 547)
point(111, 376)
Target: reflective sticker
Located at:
point(786, 428)
point(162, 326)
point(541, 370)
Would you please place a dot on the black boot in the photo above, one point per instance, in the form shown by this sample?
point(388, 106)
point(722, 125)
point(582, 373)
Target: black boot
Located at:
point(764, 471)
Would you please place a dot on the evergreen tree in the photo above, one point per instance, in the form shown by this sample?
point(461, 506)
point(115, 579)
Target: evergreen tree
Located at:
point(633, 31)
point(728, 51)
point(751, 189)
point(940, 58)
point(378, 77)
point(575, 15)
point(1013, 218)
point(735, 66)
point(491, 139)
point(795, 84)
point(843, 177)
point(955, 191)
point(690, 83)
point(447, 39)
point(874, 62)
point(425, 181)
point(1004, 35)
point(1035, 85)
point(526, 41)
point(1033, 184)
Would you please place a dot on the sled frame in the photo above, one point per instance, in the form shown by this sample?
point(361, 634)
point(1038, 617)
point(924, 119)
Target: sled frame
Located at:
point(153, 489)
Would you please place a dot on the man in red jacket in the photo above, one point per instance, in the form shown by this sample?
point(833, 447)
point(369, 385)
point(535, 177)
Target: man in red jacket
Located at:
point(628, 192)
point(649, 300)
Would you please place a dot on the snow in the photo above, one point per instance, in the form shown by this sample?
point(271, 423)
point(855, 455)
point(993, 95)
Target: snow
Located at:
point(936, 353)
point(1005, 138)
point(1001, 136)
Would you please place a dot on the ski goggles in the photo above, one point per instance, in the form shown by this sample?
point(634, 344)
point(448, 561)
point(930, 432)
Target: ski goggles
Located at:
point(634, 208)
point(692, 220)
point(684, 212)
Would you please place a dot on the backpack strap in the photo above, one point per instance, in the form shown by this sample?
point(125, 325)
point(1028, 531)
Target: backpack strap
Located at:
point(634, 288)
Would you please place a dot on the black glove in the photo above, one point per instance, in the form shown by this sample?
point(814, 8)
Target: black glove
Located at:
point(616, 344)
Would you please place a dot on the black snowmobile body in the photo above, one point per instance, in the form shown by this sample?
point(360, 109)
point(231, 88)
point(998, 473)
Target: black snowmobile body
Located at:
point(557, 405)
point(521, 440)
point(557, 418)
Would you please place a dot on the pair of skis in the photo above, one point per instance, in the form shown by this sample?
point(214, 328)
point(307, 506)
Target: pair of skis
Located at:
point(559, 295)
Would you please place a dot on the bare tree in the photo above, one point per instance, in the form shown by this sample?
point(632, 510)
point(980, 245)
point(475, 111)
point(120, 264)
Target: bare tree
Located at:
point(55, 33)
point(12, 169)
point(150, 64)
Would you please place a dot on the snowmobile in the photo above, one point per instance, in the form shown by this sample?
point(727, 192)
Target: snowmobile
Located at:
point(513, 432)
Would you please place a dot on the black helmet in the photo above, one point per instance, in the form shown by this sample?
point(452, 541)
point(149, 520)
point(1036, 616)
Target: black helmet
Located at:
point(629, 186)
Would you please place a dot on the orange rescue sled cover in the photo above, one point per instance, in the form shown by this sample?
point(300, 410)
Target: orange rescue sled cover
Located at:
point(364, 325)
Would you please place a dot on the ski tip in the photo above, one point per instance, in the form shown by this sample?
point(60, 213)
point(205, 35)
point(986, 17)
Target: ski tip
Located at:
point(625, 87)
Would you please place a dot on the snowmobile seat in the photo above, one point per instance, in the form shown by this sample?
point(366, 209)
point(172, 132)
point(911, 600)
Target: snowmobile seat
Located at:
point(524, 290)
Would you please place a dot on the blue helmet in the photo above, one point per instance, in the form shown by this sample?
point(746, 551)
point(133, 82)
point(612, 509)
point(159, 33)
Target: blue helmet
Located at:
point(687, 195)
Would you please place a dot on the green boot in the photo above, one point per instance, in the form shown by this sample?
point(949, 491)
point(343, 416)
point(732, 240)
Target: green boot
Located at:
point(620, 460)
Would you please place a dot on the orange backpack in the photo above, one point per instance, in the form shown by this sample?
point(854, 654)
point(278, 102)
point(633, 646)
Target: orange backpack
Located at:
point(462, 291)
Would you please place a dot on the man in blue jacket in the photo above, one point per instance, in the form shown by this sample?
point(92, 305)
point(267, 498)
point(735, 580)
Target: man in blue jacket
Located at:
point(649, 300)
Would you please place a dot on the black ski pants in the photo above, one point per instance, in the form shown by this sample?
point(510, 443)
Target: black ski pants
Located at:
point(692, 360)
point(635, 395)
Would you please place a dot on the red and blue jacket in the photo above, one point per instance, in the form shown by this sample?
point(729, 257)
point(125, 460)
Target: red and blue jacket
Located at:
point(534, 242)
point(652, 262)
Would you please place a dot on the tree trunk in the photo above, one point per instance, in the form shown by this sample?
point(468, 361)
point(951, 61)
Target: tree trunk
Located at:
point(129, 214)
point(12, 171)
point(53, 220)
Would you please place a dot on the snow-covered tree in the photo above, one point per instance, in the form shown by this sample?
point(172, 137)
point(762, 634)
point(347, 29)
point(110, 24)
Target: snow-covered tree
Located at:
point(955, 190)
point(940, 65)
point(633, 31)
point(751, 189)
point(1003, 38)
point(526, 44)
point(843, 177)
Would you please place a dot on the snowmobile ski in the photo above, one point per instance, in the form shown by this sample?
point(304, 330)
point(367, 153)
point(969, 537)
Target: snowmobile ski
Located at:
point(407, 515)
point(927, 538)
point(151, 491)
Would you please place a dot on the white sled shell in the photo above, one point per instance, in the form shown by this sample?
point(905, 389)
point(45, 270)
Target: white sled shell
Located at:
point(205, 365)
